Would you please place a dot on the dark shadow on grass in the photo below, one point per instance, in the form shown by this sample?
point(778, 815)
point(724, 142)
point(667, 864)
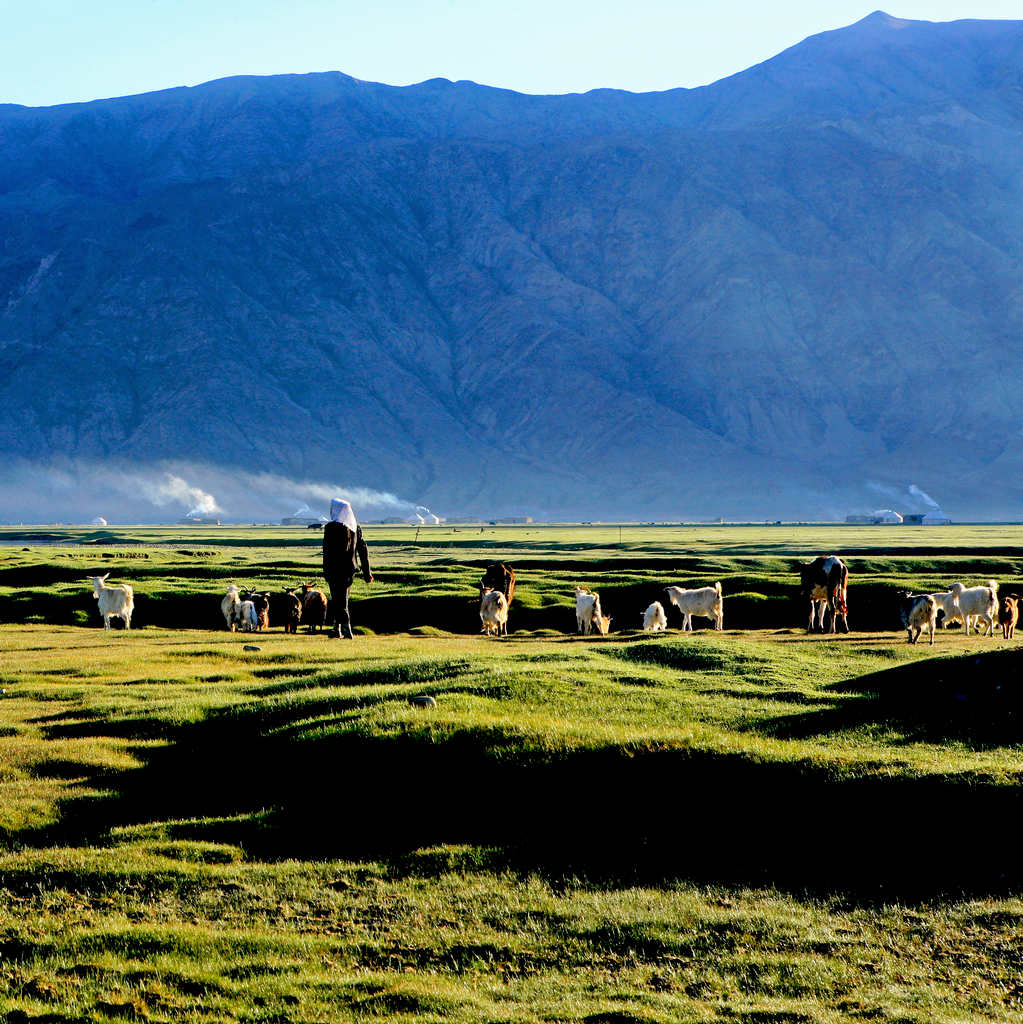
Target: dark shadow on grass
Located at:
point(75, 715)
point(777, 696)
point(406, 673)
point(976, 700)
point(290, 672)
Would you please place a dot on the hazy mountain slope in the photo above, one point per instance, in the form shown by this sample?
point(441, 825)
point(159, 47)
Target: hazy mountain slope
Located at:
point(751, 299)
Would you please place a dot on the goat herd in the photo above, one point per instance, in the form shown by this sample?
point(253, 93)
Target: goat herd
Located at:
point(823, 586)
point(249, 610)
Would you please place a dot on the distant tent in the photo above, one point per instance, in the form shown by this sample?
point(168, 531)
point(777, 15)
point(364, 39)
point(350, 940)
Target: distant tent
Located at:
point(98, 521)
point(935, 518)
point(886, 515)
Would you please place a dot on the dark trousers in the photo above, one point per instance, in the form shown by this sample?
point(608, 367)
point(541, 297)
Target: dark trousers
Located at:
point(339, 591)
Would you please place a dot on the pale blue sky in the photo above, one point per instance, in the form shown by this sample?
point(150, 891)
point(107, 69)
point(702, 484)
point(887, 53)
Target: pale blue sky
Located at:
point(56, 51)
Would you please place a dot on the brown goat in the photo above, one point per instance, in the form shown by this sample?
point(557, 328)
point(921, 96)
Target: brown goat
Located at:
point(1008, 614)
point(292, 605)
point(314, 607)
point(261, 605)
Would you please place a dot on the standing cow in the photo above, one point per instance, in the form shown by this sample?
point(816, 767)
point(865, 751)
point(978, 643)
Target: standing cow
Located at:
point(824, 585)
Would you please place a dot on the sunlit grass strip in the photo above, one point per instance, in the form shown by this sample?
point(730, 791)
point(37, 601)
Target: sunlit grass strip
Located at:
point(91, 927)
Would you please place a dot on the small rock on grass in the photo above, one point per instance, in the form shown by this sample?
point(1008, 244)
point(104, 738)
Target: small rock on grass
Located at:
point(251, 647)
point(422, 700)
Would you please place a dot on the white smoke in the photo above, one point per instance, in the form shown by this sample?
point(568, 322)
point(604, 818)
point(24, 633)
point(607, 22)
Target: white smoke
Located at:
point(171, 489)
point(923, 496)
point(886, 489)
point(909, 497)
point(73, 491)
point(269, 485)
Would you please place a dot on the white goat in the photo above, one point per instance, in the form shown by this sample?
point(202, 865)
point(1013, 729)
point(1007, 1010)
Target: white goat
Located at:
point(948, 603)
point(706, 602)
point(113, 601)
point(248, 617)
point(231, 606)
point(980, 603)
point(494, 612)
point(654, 618)
point(588, 615)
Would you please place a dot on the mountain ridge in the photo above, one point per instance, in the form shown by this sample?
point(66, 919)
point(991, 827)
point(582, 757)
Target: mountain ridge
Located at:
point(696, 301)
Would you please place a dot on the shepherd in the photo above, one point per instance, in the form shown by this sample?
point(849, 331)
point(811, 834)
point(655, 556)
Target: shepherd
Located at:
point(344, 551)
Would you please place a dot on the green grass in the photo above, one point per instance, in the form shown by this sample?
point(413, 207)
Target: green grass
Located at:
point(753, 825)
point(176, 937)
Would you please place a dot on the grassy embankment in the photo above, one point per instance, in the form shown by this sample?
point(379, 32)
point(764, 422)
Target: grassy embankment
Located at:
point(752, 826)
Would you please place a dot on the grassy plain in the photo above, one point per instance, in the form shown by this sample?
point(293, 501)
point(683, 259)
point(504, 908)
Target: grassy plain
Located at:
point(753, 826)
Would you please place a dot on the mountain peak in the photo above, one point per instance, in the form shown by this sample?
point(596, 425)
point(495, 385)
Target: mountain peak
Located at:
point(882, 20)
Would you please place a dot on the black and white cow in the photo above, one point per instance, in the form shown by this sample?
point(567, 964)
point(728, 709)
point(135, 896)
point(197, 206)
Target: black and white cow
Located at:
point(823, 584)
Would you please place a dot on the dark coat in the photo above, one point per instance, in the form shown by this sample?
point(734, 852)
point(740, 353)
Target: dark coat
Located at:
point(499, 577)
point(343, 552)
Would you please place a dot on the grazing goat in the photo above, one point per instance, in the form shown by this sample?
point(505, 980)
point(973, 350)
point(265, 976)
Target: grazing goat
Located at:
point(231, 606)
point(1008, 614)
point(654, 618)
point(250, 623)
point(706, 602)
point(494, 613)
point(114, 602)
point(917, 611)
point(824, 583)
point(980, 603)
point(588, 615)
point(314, 607)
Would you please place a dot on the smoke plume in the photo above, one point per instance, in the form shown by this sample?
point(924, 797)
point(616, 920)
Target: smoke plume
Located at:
point(912, 497)
point(173, 490)
point(76, 491)
point(923, 496)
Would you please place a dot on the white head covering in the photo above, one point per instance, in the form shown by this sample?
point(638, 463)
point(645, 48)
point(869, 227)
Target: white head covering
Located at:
point(342, 512)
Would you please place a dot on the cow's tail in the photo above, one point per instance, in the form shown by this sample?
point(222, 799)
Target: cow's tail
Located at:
point(843, 590)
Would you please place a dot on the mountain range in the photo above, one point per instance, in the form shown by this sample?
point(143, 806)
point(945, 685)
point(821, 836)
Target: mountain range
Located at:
point(791, 294)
